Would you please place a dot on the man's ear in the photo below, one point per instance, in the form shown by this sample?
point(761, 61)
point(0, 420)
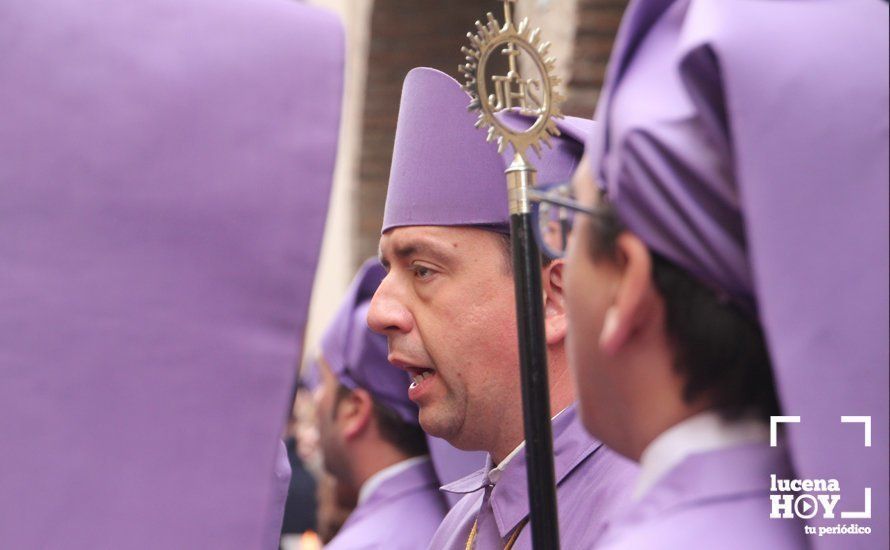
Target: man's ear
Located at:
point(633, 296)
point(555, 321)
point(354, 413)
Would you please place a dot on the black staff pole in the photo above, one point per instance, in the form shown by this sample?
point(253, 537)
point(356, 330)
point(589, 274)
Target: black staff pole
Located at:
point(533, 359)
point(511, 91)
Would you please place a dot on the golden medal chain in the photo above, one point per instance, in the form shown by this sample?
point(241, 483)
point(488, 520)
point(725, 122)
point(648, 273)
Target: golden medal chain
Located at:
point(471, 540)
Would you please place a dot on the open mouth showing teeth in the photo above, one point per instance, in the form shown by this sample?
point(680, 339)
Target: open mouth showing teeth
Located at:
point(418, 375)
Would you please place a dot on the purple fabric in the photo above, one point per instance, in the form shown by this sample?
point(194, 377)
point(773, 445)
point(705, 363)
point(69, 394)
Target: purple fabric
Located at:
point(748, 143)
point(590, 479)
point(357, 356)
point(165, 168)
point(452, 464)
point(280, 486)
point(310, 377)
point(444, 172)
point(401, 514)
point(719, 499)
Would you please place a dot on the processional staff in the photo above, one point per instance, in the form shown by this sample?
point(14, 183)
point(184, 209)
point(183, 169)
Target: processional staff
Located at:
point(538, 99)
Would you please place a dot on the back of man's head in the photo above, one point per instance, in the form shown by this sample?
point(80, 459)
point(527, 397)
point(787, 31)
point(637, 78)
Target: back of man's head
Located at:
point(718, 346)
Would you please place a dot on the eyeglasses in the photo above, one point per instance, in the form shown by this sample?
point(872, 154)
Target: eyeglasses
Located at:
point(553, 214)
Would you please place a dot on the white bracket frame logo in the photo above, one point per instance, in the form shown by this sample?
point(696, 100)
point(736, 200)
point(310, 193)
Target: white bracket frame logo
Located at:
point(774, 422)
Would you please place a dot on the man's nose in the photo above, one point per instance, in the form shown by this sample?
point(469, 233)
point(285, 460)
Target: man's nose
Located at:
point(388, 313)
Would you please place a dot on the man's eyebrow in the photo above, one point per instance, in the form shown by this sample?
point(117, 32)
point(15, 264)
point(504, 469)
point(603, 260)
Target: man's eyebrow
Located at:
point(407, 250)
point(414, 248)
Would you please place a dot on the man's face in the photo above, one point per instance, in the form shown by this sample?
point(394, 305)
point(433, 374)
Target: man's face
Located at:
point(306, 430)
point(329, 435)
point(448, 310)
point(587, 286)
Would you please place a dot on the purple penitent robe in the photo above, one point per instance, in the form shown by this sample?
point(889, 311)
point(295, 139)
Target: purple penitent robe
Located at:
point(747, 142)
point(280, 484)
point(165, 169)
point(717, 499)
point(592, 482)
point(401, 513)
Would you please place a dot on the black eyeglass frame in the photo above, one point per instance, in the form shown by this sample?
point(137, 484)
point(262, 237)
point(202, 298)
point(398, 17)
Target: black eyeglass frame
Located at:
point(537, 196)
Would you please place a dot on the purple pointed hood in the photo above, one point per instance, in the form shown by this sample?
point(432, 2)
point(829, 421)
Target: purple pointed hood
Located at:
point(444, 172)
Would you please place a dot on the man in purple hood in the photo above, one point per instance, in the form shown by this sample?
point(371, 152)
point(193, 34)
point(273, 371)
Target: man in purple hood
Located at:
point(734, 257)
point(369, 434)
point(447, 307)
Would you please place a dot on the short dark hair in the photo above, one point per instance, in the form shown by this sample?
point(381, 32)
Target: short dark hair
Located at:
point(507, 250)
point(720, 349)
point(406, 437)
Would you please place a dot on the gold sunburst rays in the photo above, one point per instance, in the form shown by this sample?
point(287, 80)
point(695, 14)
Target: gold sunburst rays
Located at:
point(538, 98)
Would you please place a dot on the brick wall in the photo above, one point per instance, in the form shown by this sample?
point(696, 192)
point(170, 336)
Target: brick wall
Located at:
point(409, 33)
point(404, 34)
point(597, 22)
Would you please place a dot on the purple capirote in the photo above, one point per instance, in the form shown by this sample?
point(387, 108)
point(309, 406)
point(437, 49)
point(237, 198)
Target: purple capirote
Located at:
point(444, 172)
point(748, 143)
point(165, 168)
point(357, 356)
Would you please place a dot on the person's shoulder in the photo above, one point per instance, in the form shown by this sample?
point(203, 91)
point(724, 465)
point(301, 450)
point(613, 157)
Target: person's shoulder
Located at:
point(372, 540)
point(384, 531)
point(598, 488)
point(458, 522)
point(731, 524)
point(408, 521)
point(426, 506)
point(602, 471)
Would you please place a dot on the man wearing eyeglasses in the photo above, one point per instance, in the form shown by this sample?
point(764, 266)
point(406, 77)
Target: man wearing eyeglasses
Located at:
point(447, 308)
point(675, 375)
point(719, 252)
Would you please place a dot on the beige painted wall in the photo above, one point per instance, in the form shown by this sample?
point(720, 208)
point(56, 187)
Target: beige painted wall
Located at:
point(335, 265)
point(556, 19)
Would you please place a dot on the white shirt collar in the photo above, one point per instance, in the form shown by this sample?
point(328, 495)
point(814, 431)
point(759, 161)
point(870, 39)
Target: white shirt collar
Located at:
point(495, 473)
point(376, 480)
point(706, 431)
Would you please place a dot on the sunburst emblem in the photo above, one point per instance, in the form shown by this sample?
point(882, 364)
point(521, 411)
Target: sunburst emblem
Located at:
point(535, 97)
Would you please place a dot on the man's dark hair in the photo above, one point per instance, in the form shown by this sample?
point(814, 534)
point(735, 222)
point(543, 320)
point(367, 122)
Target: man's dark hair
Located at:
point(720, 350)
point(507, 250)
point(406, 437)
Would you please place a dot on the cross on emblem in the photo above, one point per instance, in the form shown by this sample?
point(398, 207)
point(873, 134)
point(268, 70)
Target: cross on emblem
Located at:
point(514, 91)
point(535, 98)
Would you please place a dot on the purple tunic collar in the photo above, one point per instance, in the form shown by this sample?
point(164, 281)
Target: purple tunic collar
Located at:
point(705, 499)
point(509, 497)
point(700, 478)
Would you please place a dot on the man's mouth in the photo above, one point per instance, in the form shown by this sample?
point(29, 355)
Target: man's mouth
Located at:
point(421, 377)
point(418, 375)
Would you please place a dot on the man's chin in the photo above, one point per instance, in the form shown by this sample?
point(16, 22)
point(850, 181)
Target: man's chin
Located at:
point(439, 424)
